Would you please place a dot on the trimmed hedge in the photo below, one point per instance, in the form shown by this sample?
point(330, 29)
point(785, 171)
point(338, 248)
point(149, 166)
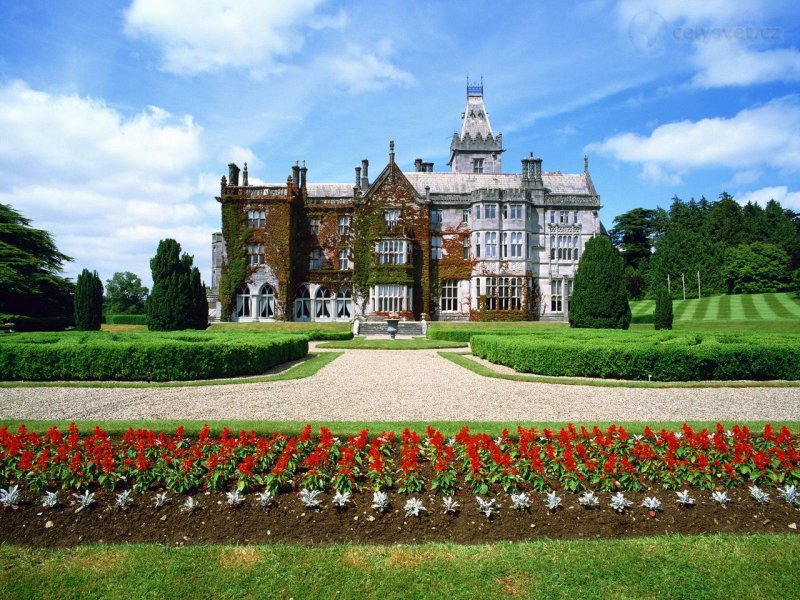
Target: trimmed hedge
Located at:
point(125, 319)
point(178, 356)
point(465, 334)
point(664, 356)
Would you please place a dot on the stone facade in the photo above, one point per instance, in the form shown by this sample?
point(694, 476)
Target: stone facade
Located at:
point(473, 243)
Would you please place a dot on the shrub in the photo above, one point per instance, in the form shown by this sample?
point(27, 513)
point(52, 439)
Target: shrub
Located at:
point(599, 298)
point(663, 356)
point(88, 301)
point(131, 357)
point(662, 317)
point(178, 298)
point(125, 319)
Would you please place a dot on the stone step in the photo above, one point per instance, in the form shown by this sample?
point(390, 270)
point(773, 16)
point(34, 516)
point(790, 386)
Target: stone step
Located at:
point(380, 328)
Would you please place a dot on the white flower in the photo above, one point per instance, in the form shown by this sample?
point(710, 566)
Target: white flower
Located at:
point(684, 499)
point(652, 503)
point(521, 501)
point(265, 498)
point(309, 498)
point(619, 502)
point(487, 507)
point(450, 505)
point(414, 507)
point(10, 496)
point(552, 501)
point(589, 500)
point(759, 496)
point(721, 497)
point(380, 501)
point(341, 499)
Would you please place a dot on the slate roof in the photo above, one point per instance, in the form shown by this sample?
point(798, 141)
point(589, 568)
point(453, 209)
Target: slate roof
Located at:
point(464, 183)
point(329, 190)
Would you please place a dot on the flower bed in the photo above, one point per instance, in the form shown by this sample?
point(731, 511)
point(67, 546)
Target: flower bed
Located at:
point(395, 482)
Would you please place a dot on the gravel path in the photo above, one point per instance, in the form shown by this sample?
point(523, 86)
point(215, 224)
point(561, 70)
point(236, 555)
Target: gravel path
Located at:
point(401, 385)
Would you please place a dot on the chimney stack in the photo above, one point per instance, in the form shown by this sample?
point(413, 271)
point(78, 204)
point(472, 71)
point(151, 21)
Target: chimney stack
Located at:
point(296, 174)
point(585, 163)
point(303, 172)
point(418, 165)
point(358, 177)
point(391, 152)
point(364, 175)
point(233, 174)
point(244, 175)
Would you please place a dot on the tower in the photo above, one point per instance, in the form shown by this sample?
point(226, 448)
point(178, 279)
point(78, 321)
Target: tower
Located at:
point(476, 149)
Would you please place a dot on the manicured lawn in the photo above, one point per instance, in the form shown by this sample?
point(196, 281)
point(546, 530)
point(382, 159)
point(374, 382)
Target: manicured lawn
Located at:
point(760, 307)
point(362, 343)
point(724, 566)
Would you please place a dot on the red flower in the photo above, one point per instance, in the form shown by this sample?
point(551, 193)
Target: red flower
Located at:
point(246, 466)
point(761, 460)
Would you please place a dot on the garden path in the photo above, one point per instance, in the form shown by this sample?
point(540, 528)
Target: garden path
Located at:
point(383, 385)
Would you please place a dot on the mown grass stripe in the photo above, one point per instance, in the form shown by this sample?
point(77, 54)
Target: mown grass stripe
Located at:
point(712, 308)
point(681, 309)
point(643, 307)
point(749, 306)
point(772, 304)
point(701, 309)
point(724, 308)
point(790, 303)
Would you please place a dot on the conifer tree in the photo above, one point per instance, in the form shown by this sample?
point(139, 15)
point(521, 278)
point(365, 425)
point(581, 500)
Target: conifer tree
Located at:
point(662, 317)
point(88, 301)
point(599, 297)
point(178, 299)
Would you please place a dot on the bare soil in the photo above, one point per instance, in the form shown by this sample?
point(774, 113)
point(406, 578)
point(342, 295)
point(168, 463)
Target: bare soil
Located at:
point(288, 521)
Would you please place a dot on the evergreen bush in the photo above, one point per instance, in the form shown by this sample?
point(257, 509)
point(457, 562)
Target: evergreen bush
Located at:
point(599, 297)
point(178, 299)
point(88, 301)
point(662, 317)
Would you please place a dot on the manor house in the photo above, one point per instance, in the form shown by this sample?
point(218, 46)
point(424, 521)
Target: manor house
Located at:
point(470, 243)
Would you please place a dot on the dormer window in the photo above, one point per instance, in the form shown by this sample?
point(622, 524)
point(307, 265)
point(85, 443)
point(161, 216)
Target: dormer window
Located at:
point(477, 165)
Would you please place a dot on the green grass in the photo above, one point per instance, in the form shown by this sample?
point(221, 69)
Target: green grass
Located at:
point(308, 367)
point(349, 428)
point(698, 567)
point(362, 343)
point(480, 369)
point(744, 307)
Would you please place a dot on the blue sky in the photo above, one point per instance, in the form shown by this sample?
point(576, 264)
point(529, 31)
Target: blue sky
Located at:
point(118, 119)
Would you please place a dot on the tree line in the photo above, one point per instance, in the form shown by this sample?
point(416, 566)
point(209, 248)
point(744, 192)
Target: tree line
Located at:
point(736, 249)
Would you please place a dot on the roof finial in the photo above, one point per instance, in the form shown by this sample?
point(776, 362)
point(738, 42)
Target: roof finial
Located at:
point(585, 163)
point(391, 151)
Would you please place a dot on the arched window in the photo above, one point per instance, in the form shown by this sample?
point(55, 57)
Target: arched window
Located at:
point(302, 304)
point(266, 302)
point(344, 304)
point(323, 301)
point(243, 301)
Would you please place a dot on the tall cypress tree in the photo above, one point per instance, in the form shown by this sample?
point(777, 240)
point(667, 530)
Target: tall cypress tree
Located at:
point(178, 297)
point(599, 297)
point(88, 301)
point(662, 317)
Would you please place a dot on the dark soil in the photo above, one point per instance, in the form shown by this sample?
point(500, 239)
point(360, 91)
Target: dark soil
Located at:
point(289, 521)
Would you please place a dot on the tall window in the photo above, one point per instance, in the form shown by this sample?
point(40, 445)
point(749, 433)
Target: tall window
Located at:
point(313, 225)
point(516, 211)
point(436, 217)
point(477, 245)
point(243, 301)
point(255, 254)
point(256, 218)
point(436, 247)
point(490, 211)
point(575, 216)
point(391, 217)
point(491, 244)
point(266, 302)
point(302, 304)
point(477, 165)
point(477, 211)
point(503, 293)
point(552, 247)
point(504, 250)
point(556, 289)
point(516, 244)
point(391, 297)
point(575, 246)
point(315, 259)
point(323, 303)
point(563, 216)
point(552, 216)
point(466, 248)
point(344, 259)
point(344, 225)
point(392, 252)
point(449, 296)
point(344, 304)
point(465, 215)
point(505, 211)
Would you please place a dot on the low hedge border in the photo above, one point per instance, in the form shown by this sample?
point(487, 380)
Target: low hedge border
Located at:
point(673, 358)
point(173, 358)
point(125, 319)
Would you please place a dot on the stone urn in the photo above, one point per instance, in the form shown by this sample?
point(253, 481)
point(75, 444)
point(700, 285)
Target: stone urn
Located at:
point(392, 325)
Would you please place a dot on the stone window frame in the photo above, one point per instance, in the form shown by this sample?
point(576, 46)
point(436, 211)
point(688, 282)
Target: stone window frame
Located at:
point(491, 244)
point(255, 254)
point(392, 252)
point(449, 299)
point(436, 247)
point(256, 218)
point(344, 225)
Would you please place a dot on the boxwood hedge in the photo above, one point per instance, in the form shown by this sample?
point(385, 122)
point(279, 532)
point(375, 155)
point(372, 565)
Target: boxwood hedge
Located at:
point(126, 319)
point(145, 356)
point(661, 356)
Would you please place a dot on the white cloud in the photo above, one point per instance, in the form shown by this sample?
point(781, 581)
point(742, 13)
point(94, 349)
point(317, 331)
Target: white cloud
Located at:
point(729, 63)
point(107, 185)
point(197, 36)
point(778, 193)
point(360, 70)
point(708, 12)
point(762, 136)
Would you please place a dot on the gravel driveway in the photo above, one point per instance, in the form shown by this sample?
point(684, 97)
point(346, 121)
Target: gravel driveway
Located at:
point(401, 385)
